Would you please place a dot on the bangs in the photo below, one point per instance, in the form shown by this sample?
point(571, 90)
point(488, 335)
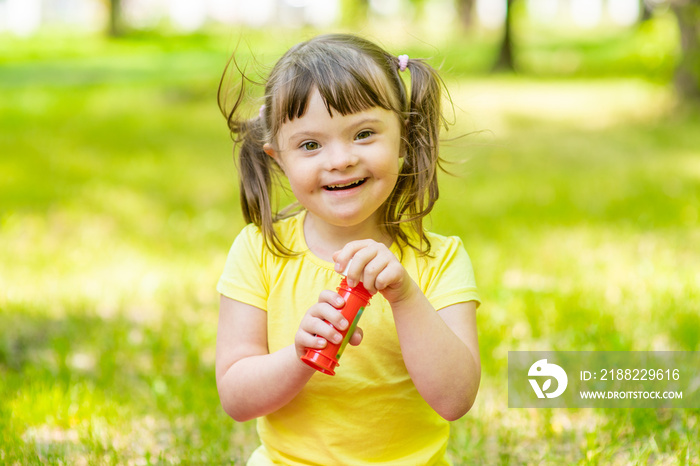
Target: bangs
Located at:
point(352, 75)
point(348, 82)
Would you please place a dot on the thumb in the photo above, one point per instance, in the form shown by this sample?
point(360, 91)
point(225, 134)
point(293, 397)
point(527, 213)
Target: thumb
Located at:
point(356, 337)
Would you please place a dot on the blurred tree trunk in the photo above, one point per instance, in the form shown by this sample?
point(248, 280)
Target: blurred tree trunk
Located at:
point(687, 77)
point(116, 26)
point(465, 10)
point(505, 53)
point(646, 10)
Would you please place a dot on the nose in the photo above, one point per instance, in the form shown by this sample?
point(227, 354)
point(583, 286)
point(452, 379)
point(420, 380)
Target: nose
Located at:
point(340, 157)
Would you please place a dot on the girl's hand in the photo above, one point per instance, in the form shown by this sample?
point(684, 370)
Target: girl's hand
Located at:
point(314, 333)
point(377, 268)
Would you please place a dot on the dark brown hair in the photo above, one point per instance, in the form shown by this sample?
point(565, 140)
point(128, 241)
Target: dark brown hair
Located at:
point(351, 74)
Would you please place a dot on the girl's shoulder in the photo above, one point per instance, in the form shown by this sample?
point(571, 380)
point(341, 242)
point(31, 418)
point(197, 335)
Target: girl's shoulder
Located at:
point(285, 228)
point(446, 252)
point(289, 227)
point(440, 245)
point(445, 274)
point(288, 231)
point(438, 241)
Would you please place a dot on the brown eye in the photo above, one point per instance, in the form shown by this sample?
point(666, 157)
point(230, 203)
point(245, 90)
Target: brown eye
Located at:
point(363, 134)
point(310, 145)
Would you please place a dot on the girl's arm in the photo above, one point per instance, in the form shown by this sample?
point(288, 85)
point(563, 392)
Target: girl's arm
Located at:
point(252, 382)
point(440, 349)
point(441, 352)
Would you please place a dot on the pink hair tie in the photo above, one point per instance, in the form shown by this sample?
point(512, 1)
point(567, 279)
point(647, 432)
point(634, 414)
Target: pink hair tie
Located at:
point(261, 113)
point(403, 62)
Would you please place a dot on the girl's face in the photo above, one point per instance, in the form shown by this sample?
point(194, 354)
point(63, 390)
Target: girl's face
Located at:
point(341, 168)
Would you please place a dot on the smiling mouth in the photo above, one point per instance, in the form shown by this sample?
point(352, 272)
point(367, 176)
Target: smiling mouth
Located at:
point(340, 187)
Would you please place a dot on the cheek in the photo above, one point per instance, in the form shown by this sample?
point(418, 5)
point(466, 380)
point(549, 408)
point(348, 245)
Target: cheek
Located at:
point(392, 167)
point(301, 178)
point(277, 163)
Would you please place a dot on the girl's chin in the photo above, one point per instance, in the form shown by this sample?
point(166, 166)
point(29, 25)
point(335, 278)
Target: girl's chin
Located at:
point(340, 219)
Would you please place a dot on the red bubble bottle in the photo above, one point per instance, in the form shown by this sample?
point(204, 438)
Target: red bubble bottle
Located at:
point(356, 298)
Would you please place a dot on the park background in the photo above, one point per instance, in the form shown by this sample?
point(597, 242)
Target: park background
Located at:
point(575, 187)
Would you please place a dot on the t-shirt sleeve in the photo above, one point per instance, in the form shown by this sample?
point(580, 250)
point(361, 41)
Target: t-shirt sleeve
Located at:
point(244, 278)
point(450, 277)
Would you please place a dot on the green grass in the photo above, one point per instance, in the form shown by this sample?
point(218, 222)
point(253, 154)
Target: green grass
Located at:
point(578, 201)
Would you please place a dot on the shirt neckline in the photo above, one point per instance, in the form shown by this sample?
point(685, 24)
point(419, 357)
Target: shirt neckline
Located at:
point(301, 240)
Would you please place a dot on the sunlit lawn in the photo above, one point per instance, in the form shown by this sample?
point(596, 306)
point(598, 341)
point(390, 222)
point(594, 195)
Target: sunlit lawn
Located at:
point(577, 200)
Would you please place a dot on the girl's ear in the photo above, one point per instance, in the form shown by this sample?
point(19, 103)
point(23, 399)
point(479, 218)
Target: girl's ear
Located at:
point(269, 150)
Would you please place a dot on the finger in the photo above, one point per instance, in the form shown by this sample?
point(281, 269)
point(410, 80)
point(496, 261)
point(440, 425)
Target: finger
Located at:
point(391, 275)
point(342, 256)
point(374, 268)
point(322, 328)
point(332, 298)
point(304, 340)
point(323, 319)
point(333, 315)
point(356, 337)
point(364, 256)
point(328, 308)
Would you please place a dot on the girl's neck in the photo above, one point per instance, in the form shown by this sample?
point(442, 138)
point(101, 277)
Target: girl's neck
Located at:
point(324, 239)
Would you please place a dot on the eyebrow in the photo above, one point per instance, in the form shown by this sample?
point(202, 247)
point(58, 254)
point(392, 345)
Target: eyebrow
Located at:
point(304, 134)
point(355, 124)
point(367, 120)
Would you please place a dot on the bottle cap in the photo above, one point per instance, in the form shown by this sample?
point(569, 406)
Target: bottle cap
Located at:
point(358, 290)
point(320, 361)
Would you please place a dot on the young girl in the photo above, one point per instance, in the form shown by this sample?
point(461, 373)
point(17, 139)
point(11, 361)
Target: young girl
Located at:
point(360, 154)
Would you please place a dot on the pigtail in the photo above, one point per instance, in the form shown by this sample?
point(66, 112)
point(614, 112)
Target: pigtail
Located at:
point(417, 188)
point(254, 170)
point(257, 171)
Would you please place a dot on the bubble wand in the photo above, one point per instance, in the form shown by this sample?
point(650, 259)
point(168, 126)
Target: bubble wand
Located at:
point(356, 299)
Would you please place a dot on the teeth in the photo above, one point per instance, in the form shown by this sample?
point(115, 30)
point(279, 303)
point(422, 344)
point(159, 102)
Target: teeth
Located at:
point(340, 186)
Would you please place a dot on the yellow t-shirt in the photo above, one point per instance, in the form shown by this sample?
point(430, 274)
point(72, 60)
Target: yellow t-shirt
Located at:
point(370, 411)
